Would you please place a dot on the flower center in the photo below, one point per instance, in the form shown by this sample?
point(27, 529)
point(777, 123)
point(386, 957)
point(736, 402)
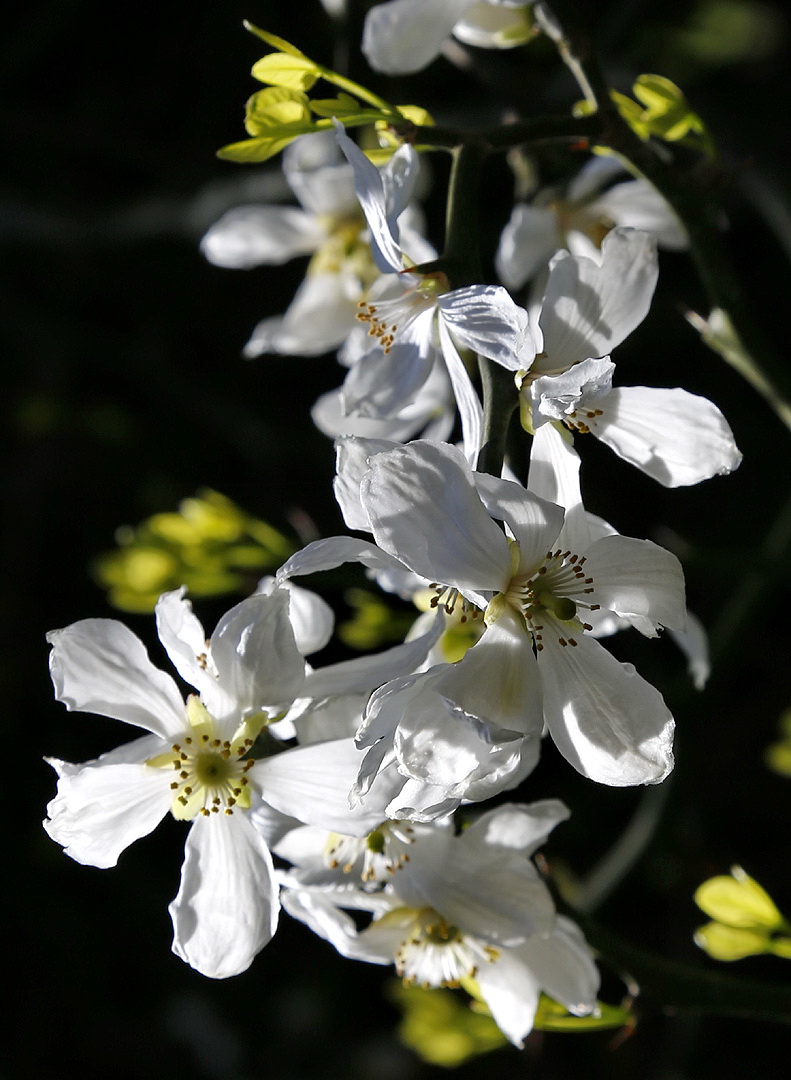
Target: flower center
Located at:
point(553, 593)
point(579, 420)
point(382, 851)
point(436, 953)
point(387, 318)
point(210, 772)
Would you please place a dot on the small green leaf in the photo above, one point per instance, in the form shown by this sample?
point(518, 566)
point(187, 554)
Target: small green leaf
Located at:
point(272, 39)
point(252, 151)
point(277, 107)
point(342, 105)
point(281, 69)
point(551, 1016)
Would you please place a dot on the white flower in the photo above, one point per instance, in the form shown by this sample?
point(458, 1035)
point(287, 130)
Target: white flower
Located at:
point(406, 35)
point(407, 325)
point(431, 514)
point(466, 907)
point(196, 763)
point(673, 436)
point(581, 219)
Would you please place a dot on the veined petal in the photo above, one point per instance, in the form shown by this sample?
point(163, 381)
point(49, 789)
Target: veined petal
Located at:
point(534, 522)
point(99, 666)
point(424, 509)
point(227, 905)
point(676, 437)
point(406, 35)
point(485, 319)
point(256, 655)
point(527, 243)
point(606, 720)
point(351, 462)
point(249, 236)
point(382, 383)
point(312, 784)
point(590, 308)
point(323, 917)
point(184, 639)
point(101, 809)
point(638, 580)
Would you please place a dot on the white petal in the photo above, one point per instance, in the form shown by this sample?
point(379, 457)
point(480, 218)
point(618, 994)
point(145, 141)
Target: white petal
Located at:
point(528, 241)
point(485, 319)
point(100, 666)
point(406, 35)
point(511, 991)
point(606, 720)
point(470, 410)
point(256, 655)
point(317, 321)
point(365, 673)
point(535, 523)
point(694, 644)
point(380, 384)
point(639, 581)
point(319, 177)
point(334, 551)
point(318, 912)
point(312, 784)
point(227, 906)
point(312, 619)
point(370, 191)
point(672, 435)
point(184, 639)
point(351, 462)
point(518, 827)
point(590, 308)
point(638, 205)
point(554, 476)
point(555, 397)
point(101, 809)
point(564, 967)
point(250, 236)
point(424, 509)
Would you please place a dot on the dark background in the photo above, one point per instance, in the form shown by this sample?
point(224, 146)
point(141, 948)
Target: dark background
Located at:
point(124, 392)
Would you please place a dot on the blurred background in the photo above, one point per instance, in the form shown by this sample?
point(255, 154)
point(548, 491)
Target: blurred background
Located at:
point(124, 392)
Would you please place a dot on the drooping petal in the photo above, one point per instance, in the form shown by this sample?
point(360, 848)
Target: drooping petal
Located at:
point(589, 308)
point(100, 810)
point(527, 243)
point(606, 720)
point(324, 918)
point(470, 410)
point(511, 991)
point(380, 384)
point(249, 236)
point(256, 655)
point(638, 580)
point(694, 644)
point(563, 965)
point(184, 639)
point(676, 437)
point(424, 509)
point(406, 35)
point(318, 320)
point(100, 666)
point(227, 905)
point(534, 522)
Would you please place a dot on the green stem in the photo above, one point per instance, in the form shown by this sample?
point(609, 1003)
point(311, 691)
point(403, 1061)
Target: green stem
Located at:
point(505, 136)
point(500, 399)
point(667, 984)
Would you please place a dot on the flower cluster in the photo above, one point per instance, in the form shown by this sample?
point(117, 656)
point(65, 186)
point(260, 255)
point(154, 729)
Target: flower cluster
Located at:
point(362, 777)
